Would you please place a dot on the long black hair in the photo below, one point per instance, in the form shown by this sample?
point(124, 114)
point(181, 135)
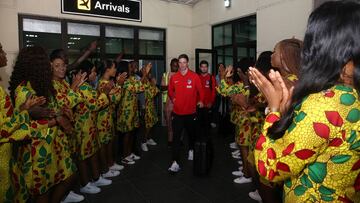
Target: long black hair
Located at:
point(33, 65)
point(263, 64)
point(104, 65)
point(86, 66)
point(331, 40)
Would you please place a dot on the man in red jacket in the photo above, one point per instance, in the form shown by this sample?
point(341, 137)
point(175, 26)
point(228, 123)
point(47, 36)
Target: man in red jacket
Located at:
point(186, 92)
point(208, 84)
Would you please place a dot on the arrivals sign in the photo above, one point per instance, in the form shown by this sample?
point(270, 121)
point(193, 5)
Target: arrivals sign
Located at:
point(117, 9)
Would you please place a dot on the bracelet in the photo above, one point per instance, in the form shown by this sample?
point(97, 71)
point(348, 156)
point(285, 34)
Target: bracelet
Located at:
point(270, 110)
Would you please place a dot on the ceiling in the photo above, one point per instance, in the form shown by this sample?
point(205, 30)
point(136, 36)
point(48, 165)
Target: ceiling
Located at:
point(186, 2)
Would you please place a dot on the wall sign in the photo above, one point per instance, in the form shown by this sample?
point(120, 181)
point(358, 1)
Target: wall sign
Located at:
point(117, 9)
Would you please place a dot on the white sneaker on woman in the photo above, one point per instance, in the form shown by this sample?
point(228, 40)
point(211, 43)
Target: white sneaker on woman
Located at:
point(255, 196)
point(101, 182)
point(174, 167)
point(111, 174)
point(242, 180)
point(116, 167)
point(191, 155)
point(134, 157)
point(144, 147)
point(151, 142)
point(90, 189)
point(238, 173)
point(128, 160)
point(236, 152)
point(73, 197)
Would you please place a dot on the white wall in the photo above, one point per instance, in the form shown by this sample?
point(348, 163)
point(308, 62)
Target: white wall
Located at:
point(175, 18)
point(187, 27)
point(276, 19)
point(281, 19)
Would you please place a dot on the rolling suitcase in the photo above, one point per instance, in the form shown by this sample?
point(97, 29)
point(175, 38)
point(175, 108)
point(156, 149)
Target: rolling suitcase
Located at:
point(203, 157)
point(203, 149)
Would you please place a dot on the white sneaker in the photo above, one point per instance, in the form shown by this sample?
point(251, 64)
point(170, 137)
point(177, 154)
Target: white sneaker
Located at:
point(236, 152)
point(255, 196)
point(90, 189)
point(73, 197)
point(240, 162)
point(144, 147)
point(116, 167)
point(101, 182)
point(238, 173)
point(235, 146)
point(213, 125)
point(242, 180)
point(134, 157)
point(191, 155)
point(111, 174)
point(151, 142)
point(128, 160)
point(236, 156)
point(174, 167)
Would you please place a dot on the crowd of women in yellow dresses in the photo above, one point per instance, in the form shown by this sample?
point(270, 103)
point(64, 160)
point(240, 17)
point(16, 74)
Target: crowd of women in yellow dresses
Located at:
point(296, 112)
point(53, 131)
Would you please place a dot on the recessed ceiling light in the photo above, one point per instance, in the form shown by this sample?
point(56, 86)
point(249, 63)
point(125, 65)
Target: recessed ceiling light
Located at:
point(227, 3)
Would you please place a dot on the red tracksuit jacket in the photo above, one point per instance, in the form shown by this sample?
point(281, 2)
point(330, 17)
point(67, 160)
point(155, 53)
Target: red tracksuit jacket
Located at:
point(185, 91)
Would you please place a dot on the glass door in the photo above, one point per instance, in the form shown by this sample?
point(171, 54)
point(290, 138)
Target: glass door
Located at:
point(210, 56)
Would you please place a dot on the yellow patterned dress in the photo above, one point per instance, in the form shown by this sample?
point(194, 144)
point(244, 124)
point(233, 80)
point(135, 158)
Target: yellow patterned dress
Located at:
point(238, 117)
point(44, 161)
point(128, 113)
point(85, 120)
point(105, 119)
point(14, 128)
point(318, 158)
point(150, 114)
point(257, 120)
point(67, 98)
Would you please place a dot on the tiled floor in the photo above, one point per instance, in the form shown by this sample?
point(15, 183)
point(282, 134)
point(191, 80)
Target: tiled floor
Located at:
point(149, 181)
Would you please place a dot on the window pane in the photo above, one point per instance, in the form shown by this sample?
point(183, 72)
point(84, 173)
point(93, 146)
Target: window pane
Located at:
point(229, 51)
point(151, 42)
point(119, 40)
point(114, 46)
point(252, 28)
point(118, 32)
point(228, 61)
point(48, 41)
point(252, 53)
point(220, 59)
point(220, 51)
point(32, 25)
point(246, 30)
point(218, 36)
point(148, 47)
point(151, 35)
point(228, 34)
point(76, 44)
point(242, 32)
point(83, 29)
point(242, 53)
